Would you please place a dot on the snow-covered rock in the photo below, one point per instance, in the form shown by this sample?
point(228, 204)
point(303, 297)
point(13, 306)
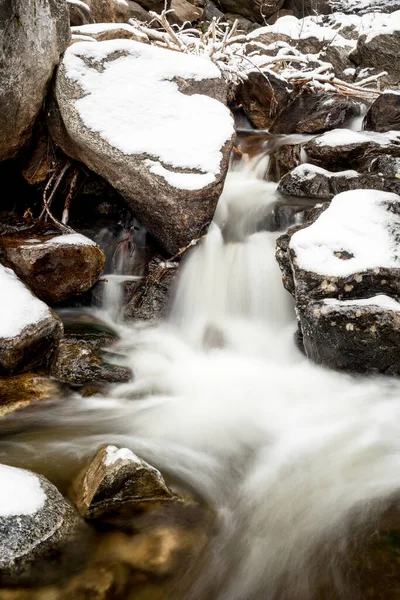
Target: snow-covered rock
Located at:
point(118, 482)
point(154, 124)
point(341, 149)
point(110, 31)
point(310, 181)
point(35, 522)
point(54, 267)
point(29, 330)
point(33, 35)
point(344, 256)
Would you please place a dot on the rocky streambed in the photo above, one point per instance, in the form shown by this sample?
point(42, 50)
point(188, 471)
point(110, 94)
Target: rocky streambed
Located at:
point(147, 153)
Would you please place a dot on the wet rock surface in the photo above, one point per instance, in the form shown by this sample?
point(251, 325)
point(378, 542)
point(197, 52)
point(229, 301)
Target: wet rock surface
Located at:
point(76, 364)
point(25, 390)
point(118, 483)
point(384, 113)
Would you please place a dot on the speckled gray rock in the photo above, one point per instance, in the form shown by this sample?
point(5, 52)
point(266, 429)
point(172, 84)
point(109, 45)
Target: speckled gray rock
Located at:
point(310, 181)
point(36, 525)
point(171, 178)
point(79, 13)
point(33, 35)
point(118, 483)
point(384, 114)
point(380, 51)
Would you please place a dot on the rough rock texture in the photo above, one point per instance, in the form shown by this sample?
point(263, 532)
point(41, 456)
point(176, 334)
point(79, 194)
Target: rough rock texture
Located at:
point(76, 364)
point(310, 181)
point(172, 187)
point(110, 31)
point(384, 113)
point(55, 268)
point(342, 149)
point(24, 390)
point(29, 330)
point(283, 160)
point(262, 96)
point(79, 13)
point(118, 482)
point(379, 50)
point(255, 10)
point(33, 35)
point(315, 113)
point(353, 335)
point(149, 301)
point(109, 11)
point(28, 539)
point(343, 270)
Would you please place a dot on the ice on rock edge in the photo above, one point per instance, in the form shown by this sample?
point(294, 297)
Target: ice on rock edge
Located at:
point(357, 222)
point(135, 104)
point(19, 308)
point(21, 492)
point(380, 301)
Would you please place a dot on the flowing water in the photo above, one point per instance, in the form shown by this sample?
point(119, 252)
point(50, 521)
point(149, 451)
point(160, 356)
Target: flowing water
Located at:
point(294, 459)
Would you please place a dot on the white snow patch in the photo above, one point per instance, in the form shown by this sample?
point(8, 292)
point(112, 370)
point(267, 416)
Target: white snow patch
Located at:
point(113, 454)
point(21, 492)
point(381, 301)
point(82, 38)
point(70, 239)
point(96, 28)
point(345, 137)
point(136, 105)
point(19, 308)
point(357, 222)
point(183, 181)
point(308, 172)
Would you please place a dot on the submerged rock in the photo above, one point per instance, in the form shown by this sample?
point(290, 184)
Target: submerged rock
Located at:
point(343, 270)
point(170, 166)
point(56, 267)
point(117, 483)
point(33, 36)
point(29, 330)
point(36, 524)
point(24, 390)
point(78, 365)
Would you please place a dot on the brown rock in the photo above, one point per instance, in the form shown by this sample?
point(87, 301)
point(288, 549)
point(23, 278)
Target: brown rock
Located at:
point(24, 390)
point(56, 267)
point(118, 483)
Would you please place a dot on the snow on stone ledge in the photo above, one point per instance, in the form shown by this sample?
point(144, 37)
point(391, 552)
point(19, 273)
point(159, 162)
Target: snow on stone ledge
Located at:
point(19, 308)
point(21, 492)
point(357, 222)
point(347, 137)
point(133, 101)
point(113, 454)
point(308, 172)
point(70, 239)
point(381, 302)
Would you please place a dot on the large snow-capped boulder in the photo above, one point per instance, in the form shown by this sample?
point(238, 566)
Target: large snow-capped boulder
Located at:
point(379, 46)
point(154, 124)
point(343, 268)
point(35, 522)
point(33, 36)
point(29, 330)
point(54, 267)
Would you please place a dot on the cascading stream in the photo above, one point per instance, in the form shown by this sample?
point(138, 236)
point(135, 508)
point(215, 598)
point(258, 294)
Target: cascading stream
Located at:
point(293, 458)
